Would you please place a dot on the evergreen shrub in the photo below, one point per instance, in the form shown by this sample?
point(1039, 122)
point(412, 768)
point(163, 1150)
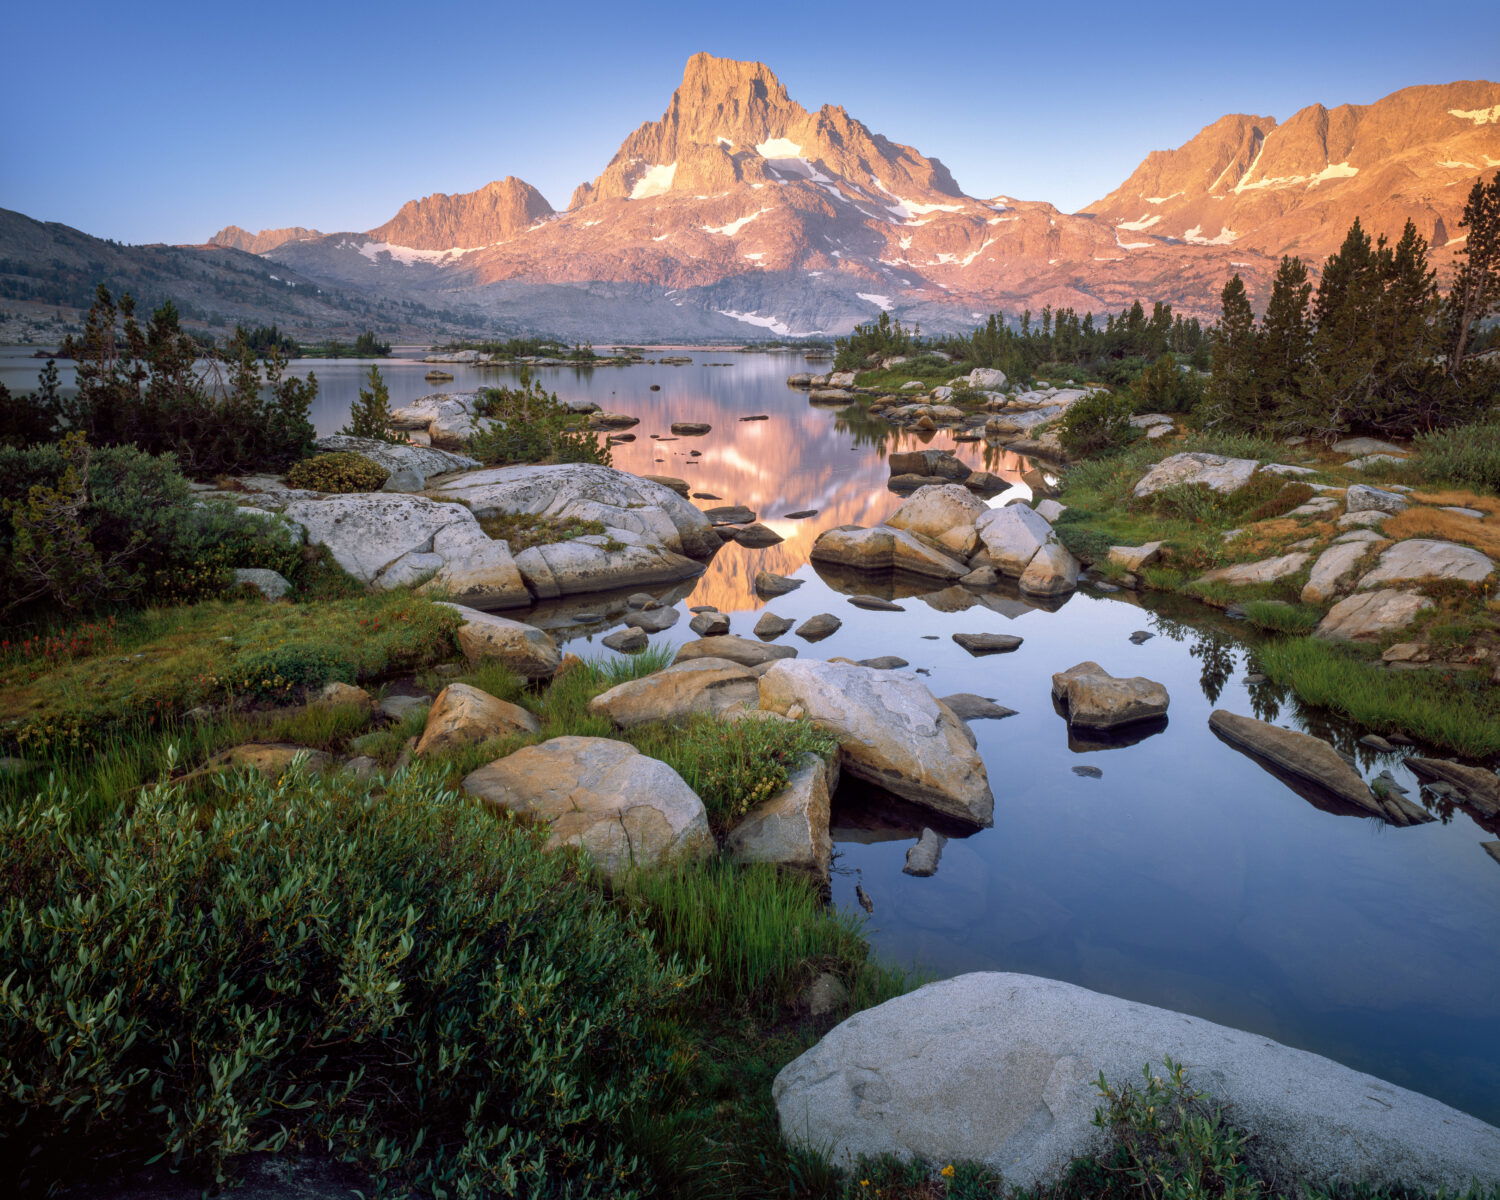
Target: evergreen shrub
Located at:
point(396, 977)
point(339, 472)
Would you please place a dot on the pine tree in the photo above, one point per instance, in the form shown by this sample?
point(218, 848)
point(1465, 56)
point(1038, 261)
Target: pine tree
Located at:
point(1285, 338)
point(1476, 288)
point(370, 415)
point(1409, 391)
point(1345, 346)
point(1232, 396)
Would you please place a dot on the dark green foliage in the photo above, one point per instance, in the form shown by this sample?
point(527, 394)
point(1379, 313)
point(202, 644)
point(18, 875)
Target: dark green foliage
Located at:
point(340, 471)
point(84, 528)
point(32, 418)
point(370, 415)
point(1231, 397)
point(528, 424)
point(1476, 288)
point(1098, 423)
point(275, 672)
point(1379, 350)
point(157, 389)
point(1468, 455)
point(367, 345)
point(265, 340)
point(876, 339)
point(1165, 387)
point(398, 978)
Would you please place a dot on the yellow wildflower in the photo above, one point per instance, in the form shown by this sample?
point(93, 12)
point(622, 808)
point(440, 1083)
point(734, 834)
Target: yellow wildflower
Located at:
point(947, 1172)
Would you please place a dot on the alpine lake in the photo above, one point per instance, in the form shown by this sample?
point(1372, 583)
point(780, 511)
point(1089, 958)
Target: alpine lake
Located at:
point(1179, 872)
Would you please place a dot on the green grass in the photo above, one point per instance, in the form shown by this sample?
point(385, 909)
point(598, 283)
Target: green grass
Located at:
point(930, 372)
point(732, 768)
point(1468, 456)
point(1281, 616)
point(1459, 710)
point(166, 661)
point(525, 530)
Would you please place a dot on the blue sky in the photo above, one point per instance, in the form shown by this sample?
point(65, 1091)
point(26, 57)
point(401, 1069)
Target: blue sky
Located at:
point(163, 121)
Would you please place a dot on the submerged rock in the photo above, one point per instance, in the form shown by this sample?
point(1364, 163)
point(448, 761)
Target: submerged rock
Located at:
point(819, 626)
point(768, 583)
point(630, 640)
point(881, 549)
point(1477, 787)
point(771, 626)
point(987, 643)
point(1000, 1069)
point(922, 858)
point(1314, 760)
point(966, 706)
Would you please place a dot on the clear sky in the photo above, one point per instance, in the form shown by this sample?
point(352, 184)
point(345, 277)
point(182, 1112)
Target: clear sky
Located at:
point(164, 120)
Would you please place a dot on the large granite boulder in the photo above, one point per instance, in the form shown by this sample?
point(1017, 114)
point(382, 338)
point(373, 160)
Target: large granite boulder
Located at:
point(463, 715)
point(711, 686)
point(1020, 542)
point(1369, 616)
point(407, 467)
point(589, 492)
point(606, 797)
point(1214, 471)
point(1314, 760)
point(791, 828)
point(1421, 559)
point(395, 541)
point(528, 651)
point(1095, 699)
point(882, 548)
point(1001, 1069)
point(445, 419)
point(936, 463)
point(944, 514)
point(891, 731)
point(605, 562)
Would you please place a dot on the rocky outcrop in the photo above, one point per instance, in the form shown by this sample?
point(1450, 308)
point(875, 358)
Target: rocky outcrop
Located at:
point(710, 686)
point(394, 541)
point(1314, 760)
point(1361, 497)
point(1266, 571)
point(1095, 699)
point(1019, 542)
point(622, 502)
point(495, 213)
point(605, 797)
point(791, 828)
point(407, 467)
point(464, 716)
point(1421, 559)
point(891, 731)
point(526, 650)
point(1369, 616)
point(1477, 787)
point(1334, 571)
point(944, 514)
point(1001, 1069)
point(1196, 468)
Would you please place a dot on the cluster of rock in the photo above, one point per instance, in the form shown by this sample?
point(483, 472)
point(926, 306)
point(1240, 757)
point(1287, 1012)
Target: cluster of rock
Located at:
point(650, 535)
point(945, 532)
point(1020, 418)
point(627, 810)
point(1371, 582)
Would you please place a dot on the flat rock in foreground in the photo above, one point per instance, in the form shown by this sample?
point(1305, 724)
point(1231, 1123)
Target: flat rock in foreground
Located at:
point(1000, 1068)
point(891, 731)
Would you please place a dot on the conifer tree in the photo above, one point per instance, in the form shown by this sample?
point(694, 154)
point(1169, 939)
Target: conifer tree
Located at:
point(1346, 344)
point(370, 415)
point(1476, 288)
point(1231, 395)
point(1285, 338)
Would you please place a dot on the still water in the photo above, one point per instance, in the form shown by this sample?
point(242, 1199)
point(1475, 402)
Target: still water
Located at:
point(1186, 876)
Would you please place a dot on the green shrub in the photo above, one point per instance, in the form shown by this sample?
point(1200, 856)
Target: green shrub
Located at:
point(528, 424)
point(1164, 387)
point(1287, 497)
point(732, 766)
point(1097, 424)
point(276, 672)
point(1468, 455)
point(396, 978)
point(341, 471)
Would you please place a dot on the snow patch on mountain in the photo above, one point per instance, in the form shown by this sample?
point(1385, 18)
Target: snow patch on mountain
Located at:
point(1480, 116)
point(733, 227)
point(878, 301)
point(1144, 221)
point(406, 255)
point(657, 181)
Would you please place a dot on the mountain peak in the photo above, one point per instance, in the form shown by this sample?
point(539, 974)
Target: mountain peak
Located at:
point(497, 211)
point(259, 243)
